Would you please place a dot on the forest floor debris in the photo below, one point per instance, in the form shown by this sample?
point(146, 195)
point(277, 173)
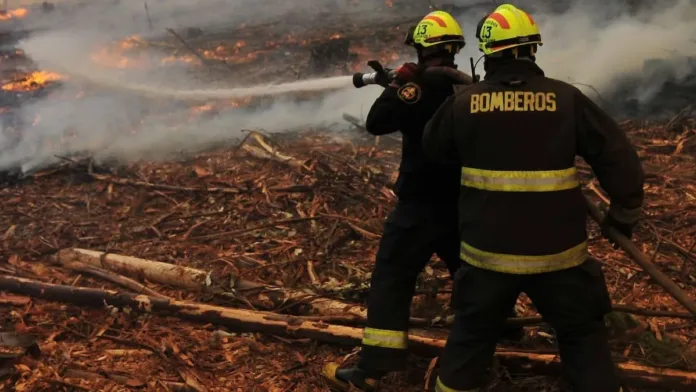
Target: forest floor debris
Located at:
point(305, 215)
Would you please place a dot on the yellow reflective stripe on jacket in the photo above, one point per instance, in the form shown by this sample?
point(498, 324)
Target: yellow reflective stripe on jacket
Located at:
point(522, 264)
point(385, 338)
point(520, 181)
point(440, 387)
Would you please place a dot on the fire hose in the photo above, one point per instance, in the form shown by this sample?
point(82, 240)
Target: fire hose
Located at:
point(644, 262)
point(363, 79)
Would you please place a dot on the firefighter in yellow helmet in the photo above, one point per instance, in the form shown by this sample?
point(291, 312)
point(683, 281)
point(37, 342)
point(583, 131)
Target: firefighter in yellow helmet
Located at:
point(522, 214)
point(424, 220)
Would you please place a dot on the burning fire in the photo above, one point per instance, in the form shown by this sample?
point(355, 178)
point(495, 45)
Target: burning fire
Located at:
point(107, 58)
point(119, 55)
point(127, 53)
point(134, 53)
point(202, 109)
point(17, 13)
point(33, 81)
point(218, 106)
point(180, 59)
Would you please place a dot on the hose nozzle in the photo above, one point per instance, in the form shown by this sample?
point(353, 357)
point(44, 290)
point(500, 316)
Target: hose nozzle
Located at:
point(363, 79)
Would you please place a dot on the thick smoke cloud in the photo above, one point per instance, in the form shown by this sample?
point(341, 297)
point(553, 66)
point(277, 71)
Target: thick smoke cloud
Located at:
point(602, 44)
point(606, 44)
point(100, 122)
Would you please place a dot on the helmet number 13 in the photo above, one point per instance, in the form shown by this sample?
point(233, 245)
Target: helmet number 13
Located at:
point(422, 30)
point(486, 33)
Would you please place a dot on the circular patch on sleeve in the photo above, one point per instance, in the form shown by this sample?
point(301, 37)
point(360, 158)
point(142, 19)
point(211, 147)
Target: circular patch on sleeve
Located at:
point(409, 93)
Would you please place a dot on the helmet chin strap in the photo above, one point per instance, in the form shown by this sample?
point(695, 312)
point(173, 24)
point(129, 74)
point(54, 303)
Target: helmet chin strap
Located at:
point(531, 56)
point(527, 56)
point(443, 58)
point(440, 55)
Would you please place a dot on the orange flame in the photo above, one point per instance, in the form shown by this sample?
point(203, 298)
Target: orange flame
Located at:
point(105, 57)
point(201, 109)
point(239, 102)
point(215, 107)
point(114, 56)
point(131, 53)
point(33, 81)
point(17, 13)
point(188, 59)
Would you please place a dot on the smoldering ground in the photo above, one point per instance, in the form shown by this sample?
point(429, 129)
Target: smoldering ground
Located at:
point(597, 44)
point(111, 121)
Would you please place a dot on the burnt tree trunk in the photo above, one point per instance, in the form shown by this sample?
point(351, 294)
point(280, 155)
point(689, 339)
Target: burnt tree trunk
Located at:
point(266, 297)
point(252, 321)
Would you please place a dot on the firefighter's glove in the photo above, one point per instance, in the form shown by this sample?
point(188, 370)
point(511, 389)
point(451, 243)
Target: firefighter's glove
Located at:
point(622, 227)
point(406, 73)
point(381, 74)
point(382, 77)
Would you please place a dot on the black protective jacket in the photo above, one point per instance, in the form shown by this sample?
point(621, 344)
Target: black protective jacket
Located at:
point(407, 109)
point(515, 136)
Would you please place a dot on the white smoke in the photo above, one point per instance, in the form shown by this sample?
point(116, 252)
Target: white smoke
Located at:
point(599, 43)
point(595, 44)
point(131, 123)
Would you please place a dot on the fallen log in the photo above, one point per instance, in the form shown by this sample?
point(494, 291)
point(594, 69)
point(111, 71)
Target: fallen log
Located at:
point(271, 297)
point(194, 279)
point(115, 278)
point(644, 262)
point(247, 320)
point(128, 182)
point(154, 271)
point(266, 151)
point(651, 313)
point(258, 294)
point(631, 374)
point(252, 321)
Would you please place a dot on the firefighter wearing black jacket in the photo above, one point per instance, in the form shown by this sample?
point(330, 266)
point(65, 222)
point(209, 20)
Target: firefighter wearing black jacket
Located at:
point(522, 214)
point(424, 220)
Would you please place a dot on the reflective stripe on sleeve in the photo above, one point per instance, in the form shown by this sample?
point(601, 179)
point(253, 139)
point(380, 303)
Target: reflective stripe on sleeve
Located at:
point(385, 338)
point(440, 387)
point(523, 264)
point(520, 181)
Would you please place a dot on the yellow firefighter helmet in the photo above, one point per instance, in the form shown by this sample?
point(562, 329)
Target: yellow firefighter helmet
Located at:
point(507, 27)
point(438, 27)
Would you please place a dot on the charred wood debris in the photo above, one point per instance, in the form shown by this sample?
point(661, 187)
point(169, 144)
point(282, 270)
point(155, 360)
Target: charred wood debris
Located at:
point(246, 268)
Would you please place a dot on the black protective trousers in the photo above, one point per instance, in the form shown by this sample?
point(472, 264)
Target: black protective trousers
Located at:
point(574, 301)
point(412, 234)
